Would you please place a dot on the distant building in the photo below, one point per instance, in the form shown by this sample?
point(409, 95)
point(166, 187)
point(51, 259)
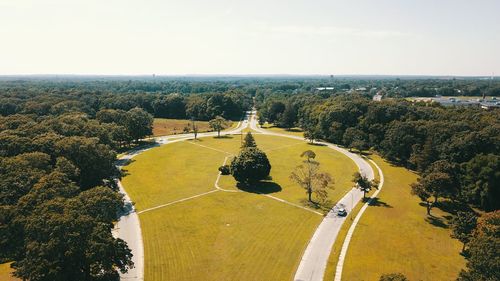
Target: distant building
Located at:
point(361, 89)
point(325, 89)
point(378, 96)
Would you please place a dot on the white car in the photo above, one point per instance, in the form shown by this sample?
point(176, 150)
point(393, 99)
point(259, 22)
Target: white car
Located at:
point(341, 212)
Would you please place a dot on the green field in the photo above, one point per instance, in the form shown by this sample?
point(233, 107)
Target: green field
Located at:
point(395, 236)
point(225, 235)
point(164, 126)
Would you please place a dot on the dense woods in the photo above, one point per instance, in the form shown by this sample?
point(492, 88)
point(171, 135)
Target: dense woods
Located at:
point(59, 137)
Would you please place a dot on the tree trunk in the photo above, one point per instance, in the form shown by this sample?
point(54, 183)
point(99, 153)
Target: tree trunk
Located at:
point(218, 133)
point(309, 194)
point(429, 206)
point(463, 248)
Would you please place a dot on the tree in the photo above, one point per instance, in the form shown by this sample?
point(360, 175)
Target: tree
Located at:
point(63, 241)
point(312, 133)
point(421, 190)
point(250, 166)
point(139, 123)
point(355, 138)
point(249, 141)
point(288, 117)
point(481, 181)
point(363, 183)
point(463, 224)
point(483, 263)
point(309, 177)
point(195, 128)
point(393, 277)
point(218, 124)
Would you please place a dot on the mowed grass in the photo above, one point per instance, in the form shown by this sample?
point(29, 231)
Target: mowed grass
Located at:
point(226, 236)
point(396, 236)
point(171, 172)
point(6, 272)
point(164, 126)
point(292, 131)
point(223, 235)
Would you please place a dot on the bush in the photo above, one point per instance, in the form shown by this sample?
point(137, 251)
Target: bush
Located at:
point(224, 170)
point(250, 166)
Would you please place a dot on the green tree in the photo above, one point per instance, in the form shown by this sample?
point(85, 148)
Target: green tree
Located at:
point(463, 224)
point(249, 141)
point(483, 263)
point(218, 124)
point(309, 177)
point(481, 181)
point(250, 166)
point(363, 183)
point(139, 123)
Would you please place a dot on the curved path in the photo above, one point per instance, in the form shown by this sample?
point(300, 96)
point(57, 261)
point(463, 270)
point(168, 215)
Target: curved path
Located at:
point(315, 257)
point(314, 260)
point(345, 245)
point(128, 226)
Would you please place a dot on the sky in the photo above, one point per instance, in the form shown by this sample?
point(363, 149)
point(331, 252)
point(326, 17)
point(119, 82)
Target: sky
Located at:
point(308, 37)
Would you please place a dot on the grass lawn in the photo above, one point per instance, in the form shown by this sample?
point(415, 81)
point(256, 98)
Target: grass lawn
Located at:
point(396, 236)
point(6, 271)
point(226, 236)
point(222, 235)
point(163, 126)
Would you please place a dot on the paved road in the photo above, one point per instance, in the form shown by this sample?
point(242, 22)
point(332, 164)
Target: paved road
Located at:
point(128, 226)
point(314, 259)
point(313, 263)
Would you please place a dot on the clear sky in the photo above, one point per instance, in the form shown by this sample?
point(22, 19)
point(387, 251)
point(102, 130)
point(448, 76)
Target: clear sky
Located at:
point(428, 37)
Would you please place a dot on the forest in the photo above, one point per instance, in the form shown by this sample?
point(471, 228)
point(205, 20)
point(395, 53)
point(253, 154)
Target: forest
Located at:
point(59, 140)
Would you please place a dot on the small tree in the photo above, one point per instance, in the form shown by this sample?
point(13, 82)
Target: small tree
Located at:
point(420, 189)
point(363, 183)
point(393, 277)
point(249, 141)
point(309, 177)
point(463, 224)
point(250, 166)
point(195, 129)
point(218, 124)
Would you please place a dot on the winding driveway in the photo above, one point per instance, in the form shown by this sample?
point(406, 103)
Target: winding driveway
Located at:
point(314, 260)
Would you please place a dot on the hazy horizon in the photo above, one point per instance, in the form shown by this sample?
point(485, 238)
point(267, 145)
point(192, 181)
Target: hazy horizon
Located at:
point(242, 38)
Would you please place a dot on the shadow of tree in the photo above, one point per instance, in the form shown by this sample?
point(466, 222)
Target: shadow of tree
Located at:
point(316, 144)
point(376, 202)
point(436, 221)
point(262, 187)
point(224, 137)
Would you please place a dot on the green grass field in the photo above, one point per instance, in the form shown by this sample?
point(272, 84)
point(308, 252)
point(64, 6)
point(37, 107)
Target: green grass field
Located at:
point(225, 235)
point(396, 237)
point(164, 126)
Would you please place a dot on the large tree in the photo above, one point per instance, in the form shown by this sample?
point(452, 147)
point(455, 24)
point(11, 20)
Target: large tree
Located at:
point(363, 183)
point(250, 166)
point(309, 177)
point(463, 224)
point(249, 141)
point(483, 263)
point(218, 124)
